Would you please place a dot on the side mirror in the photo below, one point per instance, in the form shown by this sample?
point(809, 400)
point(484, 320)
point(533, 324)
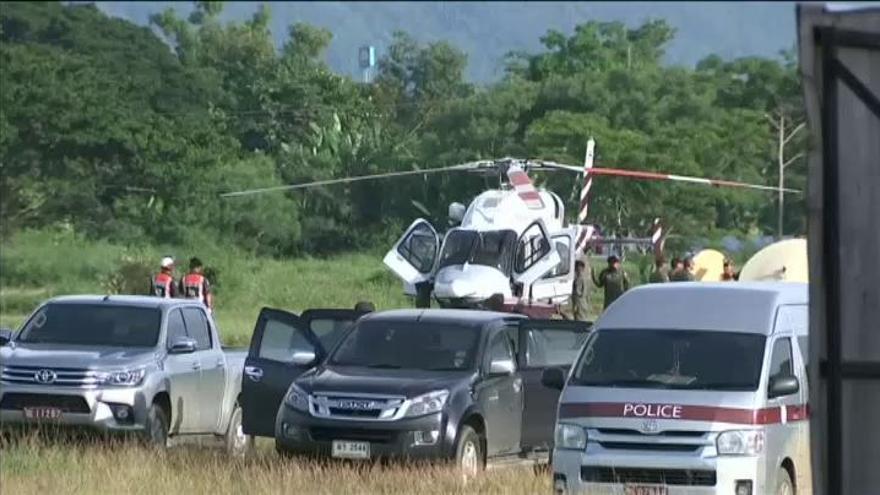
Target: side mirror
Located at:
point(303, 358)
point(553, 378)
point(5, 336)
point(783, 385)
point(456, 212)
point(182, 345)
point(501, 367)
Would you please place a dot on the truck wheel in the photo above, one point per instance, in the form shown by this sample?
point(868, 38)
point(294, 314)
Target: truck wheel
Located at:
point(784, 486)
point(238, 444)
point(469, 452)
point(156, 431)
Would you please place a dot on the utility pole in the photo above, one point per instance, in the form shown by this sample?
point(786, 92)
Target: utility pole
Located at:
point(783, 137)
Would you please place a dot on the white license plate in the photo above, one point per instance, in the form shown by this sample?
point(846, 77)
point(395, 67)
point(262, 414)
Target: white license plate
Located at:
point(42, 413)
point(351, 450)
point(645, 490)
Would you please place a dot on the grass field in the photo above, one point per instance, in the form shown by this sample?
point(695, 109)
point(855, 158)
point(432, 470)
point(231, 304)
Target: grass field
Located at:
point(31, 466)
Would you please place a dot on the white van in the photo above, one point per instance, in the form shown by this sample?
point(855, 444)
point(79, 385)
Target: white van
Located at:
point(689, 388)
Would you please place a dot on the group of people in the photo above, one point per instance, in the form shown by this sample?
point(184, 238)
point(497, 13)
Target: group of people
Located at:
point(193, 285)
point(614, 281)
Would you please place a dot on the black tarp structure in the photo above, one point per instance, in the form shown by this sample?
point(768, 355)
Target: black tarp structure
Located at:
point(840, 68)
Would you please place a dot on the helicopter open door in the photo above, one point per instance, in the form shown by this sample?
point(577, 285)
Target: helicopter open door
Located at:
point(414, 256)
point(535, 255)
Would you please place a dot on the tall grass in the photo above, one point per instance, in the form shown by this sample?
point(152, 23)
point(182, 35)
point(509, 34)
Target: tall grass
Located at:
point(33, 466)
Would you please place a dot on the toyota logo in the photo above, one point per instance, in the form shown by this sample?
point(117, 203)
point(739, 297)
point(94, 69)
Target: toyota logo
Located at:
point(650, 426)
point(44, 376)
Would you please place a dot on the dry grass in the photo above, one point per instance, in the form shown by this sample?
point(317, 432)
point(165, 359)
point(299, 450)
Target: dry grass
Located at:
point(33, 466)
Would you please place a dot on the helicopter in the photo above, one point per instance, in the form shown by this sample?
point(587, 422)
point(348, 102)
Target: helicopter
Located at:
point(514, 241)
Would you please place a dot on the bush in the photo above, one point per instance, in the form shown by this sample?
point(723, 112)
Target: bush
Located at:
point(130, 277)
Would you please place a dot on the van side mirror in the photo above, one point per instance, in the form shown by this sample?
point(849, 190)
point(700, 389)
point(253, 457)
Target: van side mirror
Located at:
point(553, 378)
point(5, 336)
point(782, 385)
point(182, 345)
point(303, 358)
point(501, 367)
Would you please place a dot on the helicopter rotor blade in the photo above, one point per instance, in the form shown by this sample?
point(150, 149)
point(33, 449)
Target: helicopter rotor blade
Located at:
point(641, 174)
point(347, 180)
point(524, 188)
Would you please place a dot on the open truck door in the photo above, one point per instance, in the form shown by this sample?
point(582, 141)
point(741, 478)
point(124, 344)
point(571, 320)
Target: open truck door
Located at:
point(545, 344)
point(283, 347)
point(414, 256)
point(535, 255)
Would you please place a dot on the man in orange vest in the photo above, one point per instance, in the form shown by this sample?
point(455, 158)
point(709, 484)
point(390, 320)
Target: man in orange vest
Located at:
point(162, 284)
point(195, 285)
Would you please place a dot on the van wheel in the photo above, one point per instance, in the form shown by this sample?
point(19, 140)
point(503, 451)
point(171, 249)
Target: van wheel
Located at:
point(784, 486)
point(238, 444)
point(469, 452)
point(156, 432)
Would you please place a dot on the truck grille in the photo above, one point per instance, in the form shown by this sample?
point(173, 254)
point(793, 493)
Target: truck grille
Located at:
point(58, 377)
point(657, 447)
point(356, 406)
point(67, 403)
point(681, 477)
point(362, 435)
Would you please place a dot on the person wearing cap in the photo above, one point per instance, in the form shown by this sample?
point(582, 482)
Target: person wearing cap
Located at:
point(195, 285)
point(613, 279)
point(580, 292)
point(162, 284)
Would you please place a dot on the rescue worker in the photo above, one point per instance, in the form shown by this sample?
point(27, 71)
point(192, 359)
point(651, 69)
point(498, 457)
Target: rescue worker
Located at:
point(679, 273)
point(195, 285)
point(689, 268)
point(728, 274)
point(660, 274)
point(365, 307)
point(580, 292)
point(613, 279)
point(162, 284)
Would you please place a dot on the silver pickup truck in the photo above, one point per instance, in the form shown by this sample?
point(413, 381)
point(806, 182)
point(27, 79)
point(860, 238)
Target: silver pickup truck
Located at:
point(144, 365)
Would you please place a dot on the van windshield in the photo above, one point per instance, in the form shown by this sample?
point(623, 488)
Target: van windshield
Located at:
point(680, 359)
point(408, 345)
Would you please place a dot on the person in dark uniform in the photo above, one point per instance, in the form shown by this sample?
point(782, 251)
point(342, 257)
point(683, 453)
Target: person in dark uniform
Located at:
point(660, 274)
point(495, 302)
point(580, 292)
point(365, 307)
point(162, 284)
point(679, 273)
point(613, 279)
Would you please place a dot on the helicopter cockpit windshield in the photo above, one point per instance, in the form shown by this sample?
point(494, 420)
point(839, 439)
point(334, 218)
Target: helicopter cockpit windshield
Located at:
point(493, 248)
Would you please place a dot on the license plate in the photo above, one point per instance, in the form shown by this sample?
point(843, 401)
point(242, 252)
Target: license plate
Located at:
point(351, 450)
point(42, 413)
point(645, 490)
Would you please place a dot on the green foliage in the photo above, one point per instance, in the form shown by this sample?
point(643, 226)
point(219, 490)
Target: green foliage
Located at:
point(129, 134)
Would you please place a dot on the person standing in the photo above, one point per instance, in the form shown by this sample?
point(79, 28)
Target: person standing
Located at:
point(580, 292)
point(660, 274)
point(679, 273)
point(728, 274)
point(195, 285)
point(613, 279)
point(162, 284)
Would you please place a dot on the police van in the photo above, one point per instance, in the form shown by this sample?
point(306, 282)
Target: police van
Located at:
point(689, 388)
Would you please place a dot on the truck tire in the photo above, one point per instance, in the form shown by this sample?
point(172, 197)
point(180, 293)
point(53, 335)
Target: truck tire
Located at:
point(784, 485)
point(238, 444)
point(156, 430)
point(469, 458)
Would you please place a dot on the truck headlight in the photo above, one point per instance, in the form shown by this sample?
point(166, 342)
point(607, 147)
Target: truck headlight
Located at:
point(740, 442)
point(297, 398)
point(125, 378)
point(570, 436)
point(429, 403)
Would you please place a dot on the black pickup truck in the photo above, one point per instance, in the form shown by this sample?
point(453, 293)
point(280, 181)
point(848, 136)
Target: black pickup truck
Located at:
point(462, 385)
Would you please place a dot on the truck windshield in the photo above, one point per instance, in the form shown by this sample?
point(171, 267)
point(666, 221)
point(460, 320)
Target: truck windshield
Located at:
point(93, 325)
point(695, 360)
point(492, 248)
point(420, 346)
